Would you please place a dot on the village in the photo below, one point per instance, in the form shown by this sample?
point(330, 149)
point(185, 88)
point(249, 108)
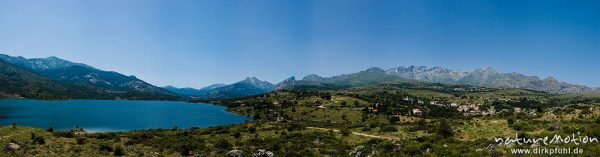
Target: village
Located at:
point(466, 109)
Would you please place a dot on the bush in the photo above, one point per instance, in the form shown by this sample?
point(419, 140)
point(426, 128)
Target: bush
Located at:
point(105, 147)
point(389, 128)
point(65, 134)
point(50, 129)
point(39, 140)
point(81, 140)
point(394, 119)
point(252, 129)
point(510, 121)
point(119, 150)
point(345, 131)
point(223, 144)
point(236, 134)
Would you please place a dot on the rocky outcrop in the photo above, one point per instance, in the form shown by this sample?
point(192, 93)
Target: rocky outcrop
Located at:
point(11, 147)
point(263, 153)
point(235, 153)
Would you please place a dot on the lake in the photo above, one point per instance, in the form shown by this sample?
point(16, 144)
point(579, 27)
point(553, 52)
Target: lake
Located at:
point(114, 115)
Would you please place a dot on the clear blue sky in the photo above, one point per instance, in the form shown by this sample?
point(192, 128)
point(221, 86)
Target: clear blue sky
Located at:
point(199, 42)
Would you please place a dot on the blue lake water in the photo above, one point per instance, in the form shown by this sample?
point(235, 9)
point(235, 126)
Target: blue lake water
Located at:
point(114, 115)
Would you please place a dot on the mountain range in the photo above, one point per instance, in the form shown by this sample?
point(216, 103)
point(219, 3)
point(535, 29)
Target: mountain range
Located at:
point(55, 78)
point(488, 77)
point(192, 91)
point(484, 77)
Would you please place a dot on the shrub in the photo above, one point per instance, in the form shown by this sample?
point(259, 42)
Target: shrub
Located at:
point(345, 131)
point(81, 140)
point(39, 140)
point(223, 144)
point(444, 129)
point(394, 119)
point(119, 150)
point(65, 134)
point(50, 129)
point(389, 128)
point(510, 121)
point(237, 134)
point(252, 129)
point(105, 147)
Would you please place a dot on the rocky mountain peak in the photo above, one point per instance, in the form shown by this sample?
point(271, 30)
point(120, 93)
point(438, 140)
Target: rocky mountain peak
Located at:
point(293, 78)
point(286, 82)
point(257, 83)
point(312, 77)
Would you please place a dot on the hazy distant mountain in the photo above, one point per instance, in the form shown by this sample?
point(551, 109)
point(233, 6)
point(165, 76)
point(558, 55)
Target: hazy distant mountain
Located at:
point(313, 77)
point(182, 91)
point(193, 91)
point(81, 75)
point(488, 77)
point(211, 87)
point(247, 87)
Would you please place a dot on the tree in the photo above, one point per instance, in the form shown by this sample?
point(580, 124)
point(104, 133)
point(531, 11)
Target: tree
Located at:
point(344, 104)
point(444, 129)
point(50, 129)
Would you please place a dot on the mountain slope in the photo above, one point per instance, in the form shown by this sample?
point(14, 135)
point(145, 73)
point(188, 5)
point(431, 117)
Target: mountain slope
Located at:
point(247, 87)
point(488, 77)
point(367, 77)
point(76, 75)
point(19, 82)
point(286, 82)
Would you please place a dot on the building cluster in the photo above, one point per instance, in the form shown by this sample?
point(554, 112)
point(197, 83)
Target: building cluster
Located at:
point(474, 109)
point(465, 109)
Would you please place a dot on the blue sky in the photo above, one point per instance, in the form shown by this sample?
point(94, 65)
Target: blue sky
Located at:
point(199, 42)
